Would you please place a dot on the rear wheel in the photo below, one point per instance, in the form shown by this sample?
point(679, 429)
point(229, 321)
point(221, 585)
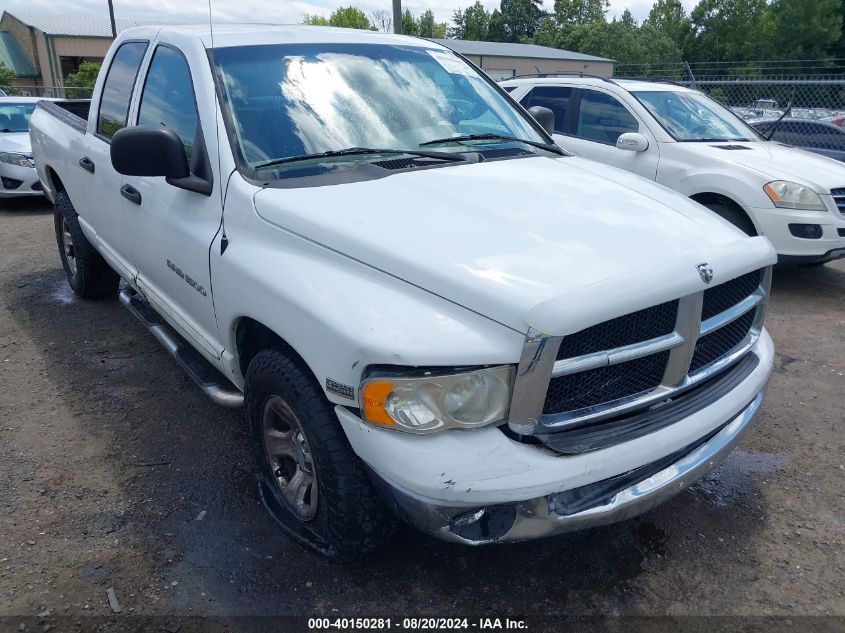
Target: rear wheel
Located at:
point(87, 272)
point(733, 215)
point(311, 481)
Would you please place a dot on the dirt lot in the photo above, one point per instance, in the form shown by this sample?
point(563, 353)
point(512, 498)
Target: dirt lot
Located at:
point(108, 454)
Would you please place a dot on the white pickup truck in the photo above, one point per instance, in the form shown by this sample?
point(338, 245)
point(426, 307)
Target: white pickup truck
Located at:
point(427, 309)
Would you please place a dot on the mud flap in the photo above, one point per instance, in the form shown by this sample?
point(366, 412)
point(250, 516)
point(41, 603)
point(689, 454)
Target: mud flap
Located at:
point(295, 529)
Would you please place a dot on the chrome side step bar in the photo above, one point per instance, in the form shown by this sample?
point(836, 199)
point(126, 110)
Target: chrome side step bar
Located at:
point(207, 377)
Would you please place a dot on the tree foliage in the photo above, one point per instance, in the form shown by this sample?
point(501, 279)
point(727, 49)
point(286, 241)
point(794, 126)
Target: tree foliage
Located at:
point(7, 80)
point(713, 31)
point(81, 83)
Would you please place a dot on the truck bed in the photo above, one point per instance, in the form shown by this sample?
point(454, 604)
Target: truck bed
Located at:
point(73, 112)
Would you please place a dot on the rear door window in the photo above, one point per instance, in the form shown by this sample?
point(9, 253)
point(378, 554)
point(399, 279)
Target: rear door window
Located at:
point(603, 118)
point(558, 100)
point(117, 91)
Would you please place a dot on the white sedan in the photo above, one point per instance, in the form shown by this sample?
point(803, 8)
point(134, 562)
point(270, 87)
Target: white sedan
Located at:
point(17, 169)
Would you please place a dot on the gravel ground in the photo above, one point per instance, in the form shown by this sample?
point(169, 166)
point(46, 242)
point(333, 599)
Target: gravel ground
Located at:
point(109, 454)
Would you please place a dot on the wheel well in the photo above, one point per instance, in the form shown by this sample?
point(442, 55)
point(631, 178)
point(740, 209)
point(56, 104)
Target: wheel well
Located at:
point(57, 183)
point(252, 337)
point(707, 198)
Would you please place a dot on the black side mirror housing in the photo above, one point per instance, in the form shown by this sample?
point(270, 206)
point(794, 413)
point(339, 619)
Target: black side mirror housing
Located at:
point(545, 117)
point(149, 151)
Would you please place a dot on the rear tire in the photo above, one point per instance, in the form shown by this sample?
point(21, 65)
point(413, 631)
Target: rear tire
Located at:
point(734, 216)
point(311, 481)
point(87, 272)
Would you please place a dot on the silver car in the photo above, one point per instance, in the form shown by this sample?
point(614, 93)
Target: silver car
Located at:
point(17, 169)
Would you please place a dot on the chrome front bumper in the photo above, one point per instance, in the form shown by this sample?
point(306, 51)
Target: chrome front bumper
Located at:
point(532, 519)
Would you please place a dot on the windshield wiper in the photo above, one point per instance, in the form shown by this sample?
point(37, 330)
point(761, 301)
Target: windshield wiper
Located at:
point(775, 125)
point(549, 147)
point(714, 140)
point(358, 151)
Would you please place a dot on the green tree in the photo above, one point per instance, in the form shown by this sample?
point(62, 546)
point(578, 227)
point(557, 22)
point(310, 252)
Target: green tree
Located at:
point(315, 20)
point(729, 30)
point(669, 17)
point(7, 80)
point(80, 84)
point(409, 24)
point(345, 17)
point(350, 17)
point(581, 11)
point(470, 23)
point(496, 28)
point(520, 18)
point(804, 29)
point(428, 27)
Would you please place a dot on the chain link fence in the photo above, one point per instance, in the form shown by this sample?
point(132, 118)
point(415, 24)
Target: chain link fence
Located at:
point(809, 95)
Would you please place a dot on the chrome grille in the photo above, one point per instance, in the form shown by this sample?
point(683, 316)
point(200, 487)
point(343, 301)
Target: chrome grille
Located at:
point(638, 359)
point(839, 199)
point(595, 386)
point(625, 330)
point(711, 347)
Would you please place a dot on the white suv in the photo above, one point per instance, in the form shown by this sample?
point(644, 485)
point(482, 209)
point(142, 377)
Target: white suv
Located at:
point(683, 139)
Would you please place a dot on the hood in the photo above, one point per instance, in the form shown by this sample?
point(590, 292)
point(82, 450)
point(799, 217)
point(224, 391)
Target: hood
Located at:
point(775, 161)
point(550, 243)
point(17, 142)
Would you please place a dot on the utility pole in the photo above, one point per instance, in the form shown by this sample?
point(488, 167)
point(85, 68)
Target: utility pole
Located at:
point(111, 17)
point(397, 16)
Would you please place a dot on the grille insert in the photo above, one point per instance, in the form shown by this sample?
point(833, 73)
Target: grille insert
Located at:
point(724, 296)
point(605, 384)
point(713, 346)
point(839, 199)
point(631, 328)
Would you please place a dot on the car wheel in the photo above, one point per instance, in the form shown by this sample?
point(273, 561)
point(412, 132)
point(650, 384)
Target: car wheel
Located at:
point(87, 272)
point(311, 481)
point(734, 216)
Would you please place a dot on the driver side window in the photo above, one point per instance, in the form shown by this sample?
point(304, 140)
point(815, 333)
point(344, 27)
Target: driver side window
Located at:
point(602, 118)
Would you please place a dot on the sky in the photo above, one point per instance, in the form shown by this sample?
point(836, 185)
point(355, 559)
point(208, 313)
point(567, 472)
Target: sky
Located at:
point(278, 11)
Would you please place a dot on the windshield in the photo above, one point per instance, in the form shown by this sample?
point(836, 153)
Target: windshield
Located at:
point(693, 116)
point(288, 101)
point(14, 117)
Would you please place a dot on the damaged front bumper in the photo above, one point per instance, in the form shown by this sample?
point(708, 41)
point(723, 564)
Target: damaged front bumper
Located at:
point(601, 503)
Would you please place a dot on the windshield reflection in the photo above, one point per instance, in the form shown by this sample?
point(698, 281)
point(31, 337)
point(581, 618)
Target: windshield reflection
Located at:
point(691, 116)
point(294, 100)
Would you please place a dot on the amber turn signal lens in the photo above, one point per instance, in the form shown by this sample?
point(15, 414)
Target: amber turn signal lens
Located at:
point(372, 400)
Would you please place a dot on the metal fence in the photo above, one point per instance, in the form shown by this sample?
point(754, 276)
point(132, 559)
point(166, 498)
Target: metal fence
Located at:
point(813, 107)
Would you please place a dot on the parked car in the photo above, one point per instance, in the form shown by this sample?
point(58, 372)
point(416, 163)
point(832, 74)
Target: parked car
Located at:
point(17, 169)
point(683, 139)
point(822, 137)
point(425, 306)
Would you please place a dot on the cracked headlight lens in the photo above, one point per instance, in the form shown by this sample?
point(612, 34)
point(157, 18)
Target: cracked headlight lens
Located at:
point(19, 160)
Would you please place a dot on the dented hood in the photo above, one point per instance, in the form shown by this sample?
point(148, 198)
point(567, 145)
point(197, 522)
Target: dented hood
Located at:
point(555, 244)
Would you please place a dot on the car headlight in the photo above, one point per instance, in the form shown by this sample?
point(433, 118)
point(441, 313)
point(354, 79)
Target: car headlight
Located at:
point(791, 195)
point(19, 160)
point(435, 402)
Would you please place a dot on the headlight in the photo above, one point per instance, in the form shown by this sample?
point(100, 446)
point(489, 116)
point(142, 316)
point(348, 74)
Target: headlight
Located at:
point(791, 195)
point(19, 160)
point(430, 403)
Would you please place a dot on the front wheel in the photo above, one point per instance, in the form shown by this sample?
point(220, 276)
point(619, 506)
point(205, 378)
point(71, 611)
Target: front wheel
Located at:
point(734, 216)
point(87, 272)
point(311, 481)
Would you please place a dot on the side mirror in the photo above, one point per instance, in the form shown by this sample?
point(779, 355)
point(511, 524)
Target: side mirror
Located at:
point(545, 117)
point(149, 151)
point(632, 141)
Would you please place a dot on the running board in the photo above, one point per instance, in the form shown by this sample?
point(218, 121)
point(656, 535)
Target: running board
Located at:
point(207, 377)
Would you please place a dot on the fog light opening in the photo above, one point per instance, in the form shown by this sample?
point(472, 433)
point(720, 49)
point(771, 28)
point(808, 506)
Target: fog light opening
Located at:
point(484, 524)
point(806, 231)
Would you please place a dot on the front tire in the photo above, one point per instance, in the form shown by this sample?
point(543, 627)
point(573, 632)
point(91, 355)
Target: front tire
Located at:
point(87, 272)
point(734, 216)
point(311, 481)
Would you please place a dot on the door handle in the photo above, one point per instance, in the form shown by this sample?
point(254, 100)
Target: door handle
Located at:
point(130, 193)
point(87, 164)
